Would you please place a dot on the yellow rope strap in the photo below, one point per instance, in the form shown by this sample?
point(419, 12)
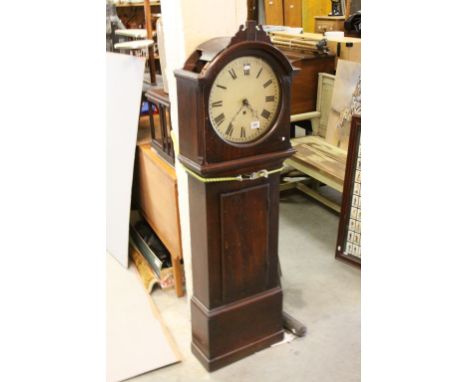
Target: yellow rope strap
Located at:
point(239, 178)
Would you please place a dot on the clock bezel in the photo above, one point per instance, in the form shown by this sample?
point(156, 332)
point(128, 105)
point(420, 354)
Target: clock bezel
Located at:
point(274, 118)
point(281, 68)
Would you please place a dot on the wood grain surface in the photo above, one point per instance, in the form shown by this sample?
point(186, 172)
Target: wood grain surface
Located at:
point(347, 77)
point(274, 12)
point(243, 234)
point(158, 202)
point(348, 245)
point(311, 8)
point(305, 82)
point(315, 153)
point(293, 13)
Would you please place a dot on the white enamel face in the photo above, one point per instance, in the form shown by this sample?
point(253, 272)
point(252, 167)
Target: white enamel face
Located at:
point(244, 100)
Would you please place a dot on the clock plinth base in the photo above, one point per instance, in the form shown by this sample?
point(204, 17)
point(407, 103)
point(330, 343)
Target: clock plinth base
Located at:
point(227, 359)
point(229, 333)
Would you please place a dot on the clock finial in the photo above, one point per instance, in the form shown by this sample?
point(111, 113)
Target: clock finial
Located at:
point(250, 32)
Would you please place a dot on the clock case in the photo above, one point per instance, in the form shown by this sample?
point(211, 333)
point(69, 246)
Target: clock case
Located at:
point(236, 305)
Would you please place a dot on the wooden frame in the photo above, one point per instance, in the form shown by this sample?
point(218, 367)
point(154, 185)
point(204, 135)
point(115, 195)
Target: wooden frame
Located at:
point(347, 9)
point(351, 200)
point(274, 12)
point(326, 82)
point(161, 138)
point(158, 205)
point(343, 7)
point(319, 120)
point(324, 79)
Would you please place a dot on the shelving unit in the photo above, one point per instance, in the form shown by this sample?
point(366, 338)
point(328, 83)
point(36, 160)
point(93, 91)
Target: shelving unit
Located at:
point(139, 4)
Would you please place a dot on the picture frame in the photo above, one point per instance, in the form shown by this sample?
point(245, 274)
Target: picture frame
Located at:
point(348, 246)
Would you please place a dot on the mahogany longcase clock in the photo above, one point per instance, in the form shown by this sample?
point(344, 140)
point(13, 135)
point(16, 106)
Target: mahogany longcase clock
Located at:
point(234, 113)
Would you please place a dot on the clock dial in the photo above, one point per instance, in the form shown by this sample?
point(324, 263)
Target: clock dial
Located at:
point(244, 100)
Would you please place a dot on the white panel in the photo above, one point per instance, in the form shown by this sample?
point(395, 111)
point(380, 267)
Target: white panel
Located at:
point(124, 84)
point(136, 341)
point(187, 24)
point(348, 75)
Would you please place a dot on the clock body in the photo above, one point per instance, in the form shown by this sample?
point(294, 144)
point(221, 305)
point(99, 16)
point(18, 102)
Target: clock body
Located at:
point(237, 299)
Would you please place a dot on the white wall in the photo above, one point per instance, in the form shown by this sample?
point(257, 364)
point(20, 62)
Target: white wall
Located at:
point(186, 24)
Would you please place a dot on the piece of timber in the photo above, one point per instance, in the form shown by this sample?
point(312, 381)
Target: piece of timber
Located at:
point(135, 4)
point(320, 160)
point(133, 33)
point(300, 117)
point(345, 48)
point(303, 38)
point(149, 30)
point(314, 174)
point(134, 45)
point(292, 184)
point(287, 186)
point(316, 195)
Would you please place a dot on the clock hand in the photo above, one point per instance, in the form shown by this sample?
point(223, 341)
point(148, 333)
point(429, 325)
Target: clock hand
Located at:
point(238, 111)
point(254, 112)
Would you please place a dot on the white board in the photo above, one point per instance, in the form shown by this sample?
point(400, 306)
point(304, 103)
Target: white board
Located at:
point(124, 85)
point(136, 341)
point(347, 76)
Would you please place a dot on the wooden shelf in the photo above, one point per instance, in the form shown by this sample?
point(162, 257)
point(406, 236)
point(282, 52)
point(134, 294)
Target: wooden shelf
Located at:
point(140, 4)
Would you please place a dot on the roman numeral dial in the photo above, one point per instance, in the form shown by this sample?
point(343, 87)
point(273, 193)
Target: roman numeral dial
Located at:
point(219, 119)
point(229, 130)
point(244, 100)
point(266, 114)
point(232, 73)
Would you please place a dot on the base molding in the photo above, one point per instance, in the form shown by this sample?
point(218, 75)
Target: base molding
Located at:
point(225, 334)
point(235, 355)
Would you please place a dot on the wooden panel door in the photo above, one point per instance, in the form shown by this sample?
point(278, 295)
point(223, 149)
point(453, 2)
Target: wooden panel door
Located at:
point(274, 12)
point(244, 252)
point(312, 8)
point(293, 13)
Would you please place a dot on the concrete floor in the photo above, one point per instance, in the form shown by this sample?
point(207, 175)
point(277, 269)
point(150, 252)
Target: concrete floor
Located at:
point(320, 291)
